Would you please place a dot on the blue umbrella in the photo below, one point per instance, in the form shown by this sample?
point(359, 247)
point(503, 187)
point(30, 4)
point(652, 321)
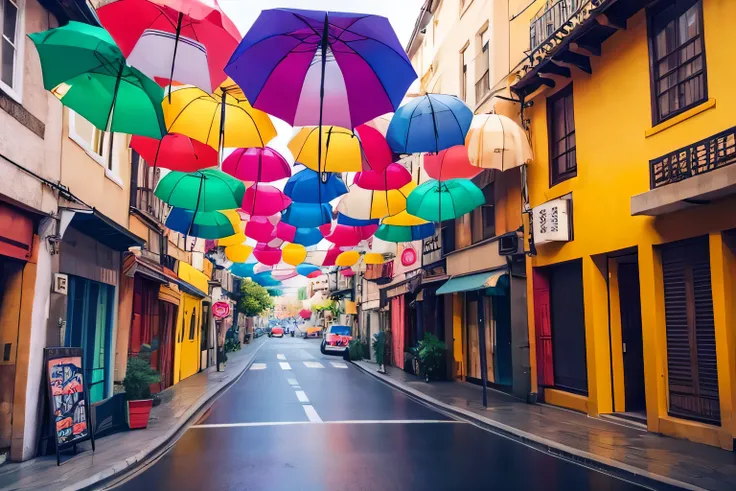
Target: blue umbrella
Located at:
point(408, 233)
point(243, 270)
point(307, 214)
point(430, 123)
point(307, 187)
point(265, 279)
point(354, 222)
point(305, 269)
point(202, 224)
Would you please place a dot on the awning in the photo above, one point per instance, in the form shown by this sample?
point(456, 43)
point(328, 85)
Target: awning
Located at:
point(473, 282)
point(104, 230)
point(133, 265)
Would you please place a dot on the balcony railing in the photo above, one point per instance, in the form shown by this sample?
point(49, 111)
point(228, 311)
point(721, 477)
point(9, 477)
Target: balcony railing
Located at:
point(145, 200)
point(550, 18)
point(704, 156)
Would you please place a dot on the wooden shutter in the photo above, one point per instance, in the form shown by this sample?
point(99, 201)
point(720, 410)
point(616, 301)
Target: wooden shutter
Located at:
point(691, 346)
point(543, 329)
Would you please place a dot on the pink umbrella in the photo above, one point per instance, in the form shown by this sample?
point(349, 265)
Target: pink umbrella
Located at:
point(347, 272)
point(266, 254)
point(452, 163)
point(331, 256)
point(315, 274)
point(375, 147)
point(257, 165)
point(261, 268)
point(264, 200)
point(260, 228)
point(284, 274)
point(347, 235)
point(395, 176)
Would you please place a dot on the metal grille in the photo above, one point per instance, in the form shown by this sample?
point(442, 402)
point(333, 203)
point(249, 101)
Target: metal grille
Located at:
point(550, 18)
point(145, 200)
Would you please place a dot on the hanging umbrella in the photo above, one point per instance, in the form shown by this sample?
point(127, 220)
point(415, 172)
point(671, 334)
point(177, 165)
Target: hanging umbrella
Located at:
point(305, 314)
point(306, 187)
point(316, 257)
point(284, 274)
point(238, 253)
point(189, 41)
point(451, 163)
point(438, 201)
point(373, 258)
point(86, 71)
point(381, 123)
point(319, 68)
point(306, 269)
point(261, 268)
point(256, 165)
point(204, 190)
point(216, 118)
point(376, 150)
point(395, 176)
point(346, 220)
point(175, 152)
point(264, 200)
point(265, 279)
point(496, 142)
point(364, 204)
point(404, 233)
point(303, 236)
point(205, 225)
point(294, 254)
point(307, 214)
point(347, 235)
point(429, 123)
point(266, 254)
point(243, 270)
point(261, 229)
point(347, 272)
point(347, 258)
point(341, 150)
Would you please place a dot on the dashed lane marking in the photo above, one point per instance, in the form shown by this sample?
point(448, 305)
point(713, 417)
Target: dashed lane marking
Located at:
point(313, 364)
point(258, 366)
point(292, 381)
point(280, 356)
point(285, 365)
point(312, 413)
point(338, 364)
point(302, 396)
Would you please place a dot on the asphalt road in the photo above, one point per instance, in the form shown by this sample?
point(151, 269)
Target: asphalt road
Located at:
point(299, 420)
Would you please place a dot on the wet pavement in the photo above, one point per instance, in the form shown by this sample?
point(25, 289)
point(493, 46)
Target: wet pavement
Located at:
point(300, 420)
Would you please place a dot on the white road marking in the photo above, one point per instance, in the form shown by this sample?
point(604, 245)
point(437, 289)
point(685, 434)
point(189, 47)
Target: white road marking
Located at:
point(258, 366)
point(292, 381)
point(302, 396)
point(295, 387)
point(313, 364)
point(280, 356)
point(312, 414)
point(349, 422)
point(338, 364)
point(285, 365)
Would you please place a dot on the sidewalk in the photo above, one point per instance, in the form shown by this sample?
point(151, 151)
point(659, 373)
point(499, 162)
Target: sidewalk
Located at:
point(120, 452)
point(593, 441)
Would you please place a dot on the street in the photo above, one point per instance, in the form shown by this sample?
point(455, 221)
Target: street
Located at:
point(300, 420)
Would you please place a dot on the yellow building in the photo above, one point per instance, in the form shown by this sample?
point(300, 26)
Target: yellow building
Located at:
point(188, 350)
point(631, 307)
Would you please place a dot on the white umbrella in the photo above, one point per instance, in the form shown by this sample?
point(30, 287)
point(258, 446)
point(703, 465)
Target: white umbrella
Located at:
point(496, 142)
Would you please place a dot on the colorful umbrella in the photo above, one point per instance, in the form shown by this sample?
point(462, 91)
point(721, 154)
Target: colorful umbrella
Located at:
point(347, 259)
point(376, 151)
point(395, 176)
point(264, 200)
point(197, 114)
point(318, 68)
point(364, 204)
point(496, 142)
point(243, 270)
point(306, 187)
point(346, 220)
point(305, 269)
point(307, 214)
point(175, 152)
point(404, 233)
point(261, 268)
point(189, 41)
point(438, 201)
point(265, 279)
point(204, 190)
point(347, 272)
point(305, 314)
point(266, 254)
point(429, 123)
point(333, 149)
point(205, 225)
point(347, 235)
point(303, 236)
point(261, 229)
point(373, 258)
point(238, 253)
point(451, 163)
point(83, 67)
point(294, 254)
point(256, 165)
point(284, 273)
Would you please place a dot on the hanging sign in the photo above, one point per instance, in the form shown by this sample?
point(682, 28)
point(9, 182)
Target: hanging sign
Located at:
point(68, 399)
point(220, 309)
point(408, 256)
point(551, 221)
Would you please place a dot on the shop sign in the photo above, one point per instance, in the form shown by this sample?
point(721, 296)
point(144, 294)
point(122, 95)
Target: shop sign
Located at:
point(431, 249)
point(220, 310)
point(551, 221)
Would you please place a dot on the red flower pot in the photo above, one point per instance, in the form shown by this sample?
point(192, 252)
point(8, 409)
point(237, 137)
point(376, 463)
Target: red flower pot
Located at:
point(138, 413)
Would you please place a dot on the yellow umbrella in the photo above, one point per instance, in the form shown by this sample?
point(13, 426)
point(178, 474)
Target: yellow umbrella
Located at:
point(195, 113)
point(238, 237)
point(347, 258)
point(496, 142)
point(373, 258)
point(238, 253)
point(366, 204)
point(341, 150)
point(294, 254)
point(403, 219)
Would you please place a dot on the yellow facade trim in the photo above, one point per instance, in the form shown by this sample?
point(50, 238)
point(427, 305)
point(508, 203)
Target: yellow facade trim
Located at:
point(566, 399)
point(458, 345)
point(694, 431)
point(193, 276)
point(595, 294)
point(617, 352)
point(709, 104)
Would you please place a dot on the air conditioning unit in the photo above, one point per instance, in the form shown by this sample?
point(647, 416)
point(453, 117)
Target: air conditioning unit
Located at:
point(510, 244)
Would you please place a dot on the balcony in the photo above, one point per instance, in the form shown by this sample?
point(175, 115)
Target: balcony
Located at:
point(144, 182)
point(550, 19)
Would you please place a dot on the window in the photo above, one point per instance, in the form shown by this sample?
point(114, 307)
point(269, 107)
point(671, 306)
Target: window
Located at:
point(482, 74)
point(193, 325)
point(561, 131)
point(484, 218)
point(11, 47)
point(464, 75)
point(677, 57)
point(96, 144)
point(143, 183)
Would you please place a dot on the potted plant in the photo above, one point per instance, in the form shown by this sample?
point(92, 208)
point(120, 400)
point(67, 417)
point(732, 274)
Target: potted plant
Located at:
point(431, 354)
point(138, 379)
point(379, 347)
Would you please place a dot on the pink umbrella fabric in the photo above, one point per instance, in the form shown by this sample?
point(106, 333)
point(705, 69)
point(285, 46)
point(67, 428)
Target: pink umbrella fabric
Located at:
point(266, 254)
point(347, 235)
point(264, 200)
point(256, 165)
point(452, 163)
point(260, 228)
point(331, 256)
point(376, 150)
point(395, 176)
point(261, 268)
point(347, 272)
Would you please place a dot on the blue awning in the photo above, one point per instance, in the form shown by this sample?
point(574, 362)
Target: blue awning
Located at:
point(472, 282)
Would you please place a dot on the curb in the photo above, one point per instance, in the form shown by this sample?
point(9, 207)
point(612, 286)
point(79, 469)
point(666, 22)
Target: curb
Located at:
point(110, 476)
point(556, 449)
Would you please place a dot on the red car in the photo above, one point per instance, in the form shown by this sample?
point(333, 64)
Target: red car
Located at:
point(277, 332)
point(337, 338)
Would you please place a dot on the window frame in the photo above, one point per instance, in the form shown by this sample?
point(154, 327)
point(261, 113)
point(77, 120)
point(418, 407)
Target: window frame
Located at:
point(677, 12)
point(554, 177)
point(464, 72)
point(16, 91)
point(193, 325)
point(103, 159)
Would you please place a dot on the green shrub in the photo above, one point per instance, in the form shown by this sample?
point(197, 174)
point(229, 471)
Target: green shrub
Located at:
point(138, 378)
point(355, 348)
point(431, 354)
point(232, 345)
point(379, 346)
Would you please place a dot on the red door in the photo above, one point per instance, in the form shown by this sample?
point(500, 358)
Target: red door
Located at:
point(543, 329)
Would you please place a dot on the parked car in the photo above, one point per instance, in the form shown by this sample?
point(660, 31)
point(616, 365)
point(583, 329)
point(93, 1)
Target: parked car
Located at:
point(277, 332)
point(258, 332)
point(336, 340)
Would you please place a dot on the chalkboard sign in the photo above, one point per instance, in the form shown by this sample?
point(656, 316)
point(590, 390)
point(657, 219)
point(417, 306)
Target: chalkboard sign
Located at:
point(68, 399)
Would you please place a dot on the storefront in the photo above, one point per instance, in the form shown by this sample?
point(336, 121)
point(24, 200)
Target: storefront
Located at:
point(188, 340)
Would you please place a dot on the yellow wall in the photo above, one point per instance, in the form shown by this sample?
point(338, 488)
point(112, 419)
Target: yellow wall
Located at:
point(187, 351)
point(615, 142)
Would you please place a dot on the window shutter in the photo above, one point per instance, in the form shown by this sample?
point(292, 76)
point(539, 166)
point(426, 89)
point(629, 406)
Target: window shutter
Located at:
point(543, 329)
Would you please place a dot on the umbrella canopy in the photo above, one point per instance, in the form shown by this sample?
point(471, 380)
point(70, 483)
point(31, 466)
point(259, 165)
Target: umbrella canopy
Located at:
point(175, 152)
point(307, 214)
point(306, 187)
point(305, 314)
point(381, 123)
point(403, 219)
point(373, 258)
point(438, 201)
point(238, 253)
point(265, 279)
point(264, 200)
point(404, 233)
point(347, 272)
point(451, 163)
point(333, 149)
point(314, 68)
point(243, 270)
point(205, 225)
point(429, 123)
point(266, 254)
point(347, 258)
point(294, 254)
point(284, 273)
point(364, 204)
point(256, 165)
point(376, 151)
point(496, 142)
point(298, 235)
point(346, 220)
point(197, 114)
point(260, 228)
point(395, 176)
point(87, 72)
point(261, 268)
point(306, 269)
point(204, 190)
point(347, 235)
point(189, 41)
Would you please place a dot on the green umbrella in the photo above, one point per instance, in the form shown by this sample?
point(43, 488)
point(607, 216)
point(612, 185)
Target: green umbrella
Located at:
point(438, 201)
point(203, 224)
point(86, 70)
point(204, 190)
point(404, 233)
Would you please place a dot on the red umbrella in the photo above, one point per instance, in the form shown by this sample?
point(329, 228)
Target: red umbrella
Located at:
point(375, 147)
point(452, 163)
point(200, 29)
point(266, 254)
point(257, 165)
point(305, 314)
point(395, 176)
point(175, 152)
point(261, 229)
point(264, 200)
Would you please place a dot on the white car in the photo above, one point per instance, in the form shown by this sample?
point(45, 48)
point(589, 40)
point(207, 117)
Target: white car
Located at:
point(336, 340)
